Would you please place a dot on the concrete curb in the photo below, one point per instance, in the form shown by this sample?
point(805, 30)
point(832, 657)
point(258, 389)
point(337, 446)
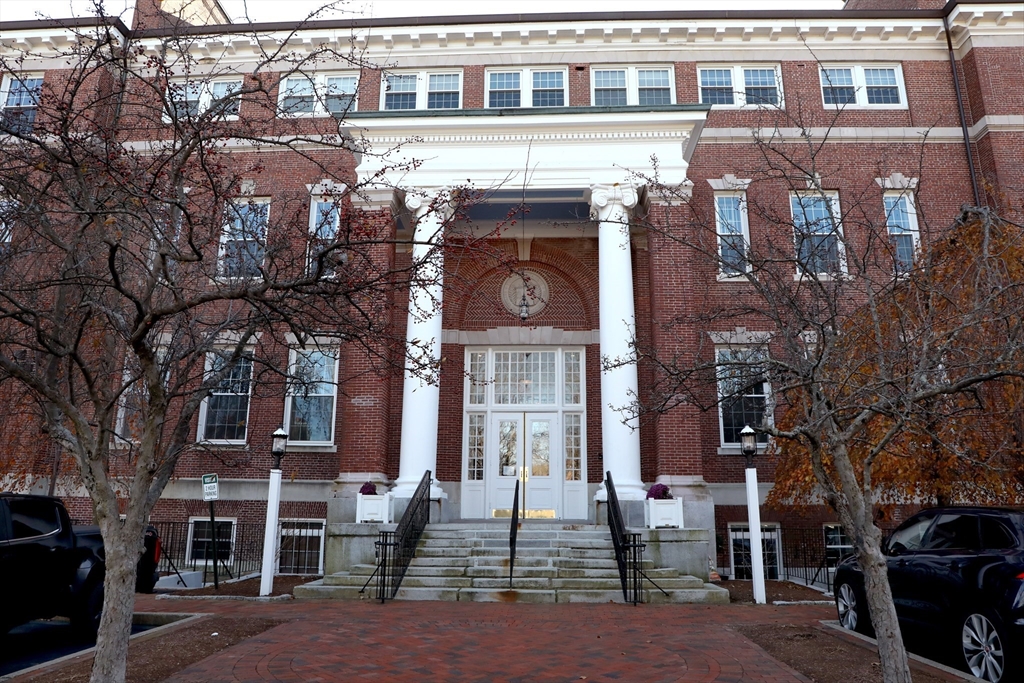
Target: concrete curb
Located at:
point(246, 598)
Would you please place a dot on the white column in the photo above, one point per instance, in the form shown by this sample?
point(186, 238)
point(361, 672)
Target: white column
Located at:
point(620, 442)
point(754, 522)
point(421, 393)
point(270, 534)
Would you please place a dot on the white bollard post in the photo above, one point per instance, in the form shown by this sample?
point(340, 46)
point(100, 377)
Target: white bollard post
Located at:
point(754, 522)
point(270, 536)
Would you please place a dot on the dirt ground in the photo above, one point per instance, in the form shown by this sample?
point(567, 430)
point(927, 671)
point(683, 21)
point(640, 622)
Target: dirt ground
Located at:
point(743, 591)
point(283, 585)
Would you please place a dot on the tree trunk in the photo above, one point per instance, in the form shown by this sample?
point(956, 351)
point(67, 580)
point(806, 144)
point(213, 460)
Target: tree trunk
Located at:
point(118, 606)
point(891, 651)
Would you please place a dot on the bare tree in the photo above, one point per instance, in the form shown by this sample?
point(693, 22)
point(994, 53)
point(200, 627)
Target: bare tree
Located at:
point(151, 264)
point(850, 335)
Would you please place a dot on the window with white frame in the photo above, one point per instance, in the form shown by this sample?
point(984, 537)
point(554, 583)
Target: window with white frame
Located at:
point(320, 95)
point(837, 544)
point(818, 234)
point(243, 240)
point(200, 540)
point(739, 551)
point(325, 220)
point(733, 233)
point(875, 86)
point(526, 88)
point(8, 211)
point(312, 389)
point(19, 101)
point(743, 392)
point(224, 414)
point(130, 404)
point(301, 547)
point(190, 98)
point(901, 224)
point(422, 90)
point(740, 86)
point(632, 85)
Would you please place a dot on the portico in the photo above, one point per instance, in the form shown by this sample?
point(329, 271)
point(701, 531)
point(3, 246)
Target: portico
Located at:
point(560, 164)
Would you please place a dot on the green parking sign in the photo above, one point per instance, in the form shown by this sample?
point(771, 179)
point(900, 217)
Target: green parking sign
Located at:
point(211, 487)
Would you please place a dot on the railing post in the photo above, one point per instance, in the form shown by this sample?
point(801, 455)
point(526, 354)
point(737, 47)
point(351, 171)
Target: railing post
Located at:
point(397, 548)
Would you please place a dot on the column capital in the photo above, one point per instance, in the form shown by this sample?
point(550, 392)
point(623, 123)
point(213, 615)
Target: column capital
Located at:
point(419, 201)
point(612, 201)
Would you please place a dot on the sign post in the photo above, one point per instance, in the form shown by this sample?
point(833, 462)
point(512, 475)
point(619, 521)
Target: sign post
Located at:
point(211, 492)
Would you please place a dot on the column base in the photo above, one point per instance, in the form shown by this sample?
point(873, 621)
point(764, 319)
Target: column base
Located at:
point(624, 491)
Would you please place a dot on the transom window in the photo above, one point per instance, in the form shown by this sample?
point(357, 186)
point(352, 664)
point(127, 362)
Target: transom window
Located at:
point(526, 88)
point(224, 415)
point(901, 224)
point(243, 240)
point(874, 86)
point(19, 100)
point(819, 247)
point(312, 387)
point(319, 95)
point(405, 91)
point(740, 86)
point(644, 86)
point(733, 233)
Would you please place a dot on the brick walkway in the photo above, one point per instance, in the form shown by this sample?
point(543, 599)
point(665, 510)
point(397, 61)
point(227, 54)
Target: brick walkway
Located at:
point(451, 641)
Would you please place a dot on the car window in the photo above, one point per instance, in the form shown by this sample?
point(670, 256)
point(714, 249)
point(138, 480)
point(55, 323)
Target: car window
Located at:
point(910, 536)
point(995, 536)
point(31, 517)
point(954, 532)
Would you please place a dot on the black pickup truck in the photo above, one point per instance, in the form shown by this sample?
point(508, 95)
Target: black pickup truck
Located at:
point(49, 568)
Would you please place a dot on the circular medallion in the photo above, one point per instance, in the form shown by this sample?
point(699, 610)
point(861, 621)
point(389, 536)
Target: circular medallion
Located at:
point(529, 282)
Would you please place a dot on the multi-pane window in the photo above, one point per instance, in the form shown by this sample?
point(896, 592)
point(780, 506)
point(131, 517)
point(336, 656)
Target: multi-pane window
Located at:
point(320, 95)
point(475, 445)
point(8, 211)
point(862, 86)
point(733, 233)
point(243, 240)
point(526, 88)
point(19, 100)
point(524, 378)
point(573, 447)
point(422, 91)
point(632, 86)
point(901, 224)
point(311, 396)
point(224, 415)
point(190, 98)
point(739, 549)
point(573, 373)
point(477, 378)
point(301, 547)
point(837, 544)
point(325, 220)
point(818, 233)
point(740, 85)
point(742, 391)
point(131, 403)
point(201, 540)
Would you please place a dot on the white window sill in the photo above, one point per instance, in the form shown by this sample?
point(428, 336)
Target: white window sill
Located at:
point(240, 445)
point(821, 277)
point(733, 278)
point(311, 448)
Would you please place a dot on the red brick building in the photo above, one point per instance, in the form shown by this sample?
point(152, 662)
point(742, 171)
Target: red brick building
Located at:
point(919, 100)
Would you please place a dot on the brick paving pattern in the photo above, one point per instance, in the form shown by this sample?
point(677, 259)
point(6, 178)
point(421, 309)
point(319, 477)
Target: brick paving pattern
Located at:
point(439, 641)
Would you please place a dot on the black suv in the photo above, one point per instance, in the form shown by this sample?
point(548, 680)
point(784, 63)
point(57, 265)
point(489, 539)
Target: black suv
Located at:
point(956, 574)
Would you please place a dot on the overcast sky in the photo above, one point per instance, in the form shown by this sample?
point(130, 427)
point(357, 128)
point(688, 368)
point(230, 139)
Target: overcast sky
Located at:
point(277, 10)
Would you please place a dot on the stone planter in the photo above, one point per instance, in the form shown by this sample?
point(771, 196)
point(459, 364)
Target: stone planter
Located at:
point(376, 509)
point(664, 514)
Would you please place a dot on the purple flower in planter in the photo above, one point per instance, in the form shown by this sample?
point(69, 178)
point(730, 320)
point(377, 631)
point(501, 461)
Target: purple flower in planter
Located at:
point(659, 492)
point(368, 489)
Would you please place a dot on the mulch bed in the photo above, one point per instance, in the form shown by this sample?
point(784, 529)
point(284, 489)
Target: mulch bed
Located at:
point(156, 659)
point(825, 657)
point(283, 585)
point(743, 591)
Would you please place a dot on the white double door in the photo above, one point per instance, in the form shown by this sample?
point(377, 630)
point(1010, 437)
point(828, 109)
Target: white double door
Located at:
point(527, 448)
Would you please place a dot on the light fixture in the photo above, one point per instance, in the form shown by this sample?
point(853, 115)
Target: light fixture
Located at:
point(748, 443)
point(278, 443)
point(524, 305)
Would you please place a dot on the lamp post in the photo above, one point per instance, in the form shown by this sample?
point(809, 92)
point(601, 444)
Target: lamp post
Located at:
point(278, 443)
point(748, 444)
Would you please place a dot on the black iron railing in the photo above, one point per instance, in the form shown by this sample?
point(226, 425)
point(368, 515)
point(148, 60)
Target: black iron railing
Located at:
point(512, 533)
point(629, 550)
point(395, 549)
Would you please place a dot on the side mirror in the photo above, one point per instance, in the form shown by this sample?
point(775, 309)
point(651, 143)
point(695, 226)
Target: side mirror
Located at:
point(895, 550)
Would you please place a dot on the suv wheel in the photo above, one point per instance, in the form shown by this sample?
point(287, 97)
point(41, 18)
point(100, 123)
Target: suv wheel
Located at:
point(984, 647)
point(852, 609)
point(86, 620)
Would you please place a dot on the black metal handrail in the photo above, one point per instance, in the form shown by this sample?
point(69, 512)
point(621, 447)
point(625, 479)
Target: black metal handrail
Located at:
point(512, 533)
point(629, 550)
point(395, 549)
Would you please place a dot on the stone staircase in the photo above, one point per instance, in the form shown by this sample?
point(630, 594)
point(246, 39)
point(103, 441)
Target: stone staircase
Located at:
point(555, 562)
